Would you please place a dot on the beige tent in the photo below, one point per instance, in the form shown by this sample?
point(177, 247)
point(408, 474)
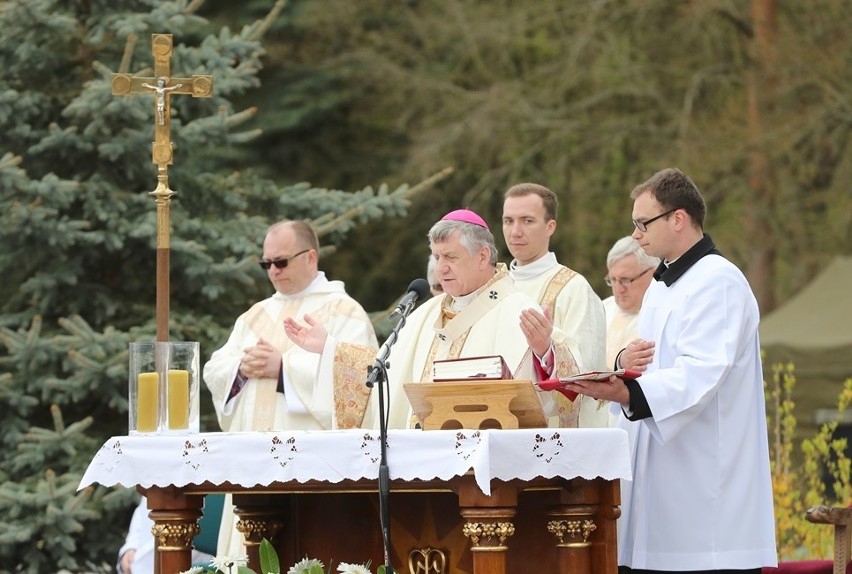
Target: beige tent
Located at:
point(813, 330)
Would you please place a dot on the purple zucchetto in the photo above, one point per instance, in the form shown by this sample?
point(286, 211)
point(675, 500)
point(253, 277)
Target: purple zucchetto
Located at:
point(465, 215)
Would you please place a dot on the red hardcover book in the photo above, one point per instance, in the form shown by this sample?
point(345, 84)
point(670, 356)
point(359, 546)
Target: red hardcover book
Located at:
point(559, 384)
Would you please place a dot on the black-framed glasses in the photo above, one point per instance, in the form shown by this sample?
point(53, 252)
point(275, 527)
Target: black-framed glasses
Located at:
point(643, 225)
point(265, 264)
point(626, 282)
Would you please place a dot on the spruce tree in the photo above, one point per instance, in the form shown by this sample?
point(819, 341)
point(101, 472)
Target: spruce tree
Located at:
point(77, 244)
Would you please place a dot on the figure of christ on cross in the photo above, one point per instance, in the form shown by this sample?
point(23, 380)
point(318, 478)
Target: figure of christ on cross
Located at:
point(162, 89)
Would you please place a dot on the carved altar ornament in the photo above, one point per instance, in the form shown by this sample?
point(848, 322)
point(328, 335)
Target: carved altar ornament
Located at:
point(256, 530)
point(477, 531)
point(573, 529)
point(175, 535)
point(427, 561)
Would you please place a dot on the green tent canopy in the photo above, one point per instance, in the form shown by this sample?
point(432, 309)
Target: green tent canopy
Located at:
point(814, 328)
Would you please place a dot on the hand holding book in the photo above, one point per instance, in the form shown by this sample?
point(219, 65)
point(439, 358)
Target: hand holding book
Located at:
point(560, 384)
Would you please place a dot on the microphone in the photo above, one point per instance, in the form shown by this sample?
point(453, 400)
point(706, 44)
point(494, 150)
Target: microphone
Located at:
point(417, 289)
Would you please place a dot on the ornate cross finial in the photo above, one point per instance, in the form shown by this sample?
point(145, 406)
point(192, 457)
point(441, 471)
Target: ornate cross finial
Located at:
point(162, 86)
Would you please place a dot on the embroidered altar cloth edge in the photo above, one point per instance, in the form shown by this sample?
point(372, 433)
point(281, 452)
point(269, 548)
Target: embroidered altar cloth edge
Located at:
point(252, 459)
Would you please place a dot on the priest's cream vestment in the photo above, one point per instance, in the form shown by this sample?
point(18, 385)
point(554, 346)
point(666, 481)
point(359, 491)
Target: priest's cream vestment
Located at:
point(621, 328)
point(577, 311)
point(312, 397)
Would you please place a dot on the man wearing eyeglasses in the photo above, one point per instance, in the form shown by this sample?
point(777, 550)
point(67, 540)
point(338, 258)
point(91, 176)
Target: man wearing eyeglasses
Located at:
point(701, 494)
point(260, 380)
point(629, 272)
point(529, 221)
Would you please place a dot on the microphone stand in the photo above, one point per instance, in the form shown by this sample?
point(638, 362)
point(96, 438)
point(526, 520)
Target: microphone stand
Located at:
point(378, 373)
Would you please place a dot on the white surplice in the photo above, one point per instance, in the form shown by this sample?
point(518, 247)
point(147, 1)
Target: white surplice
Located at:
point(701, 494)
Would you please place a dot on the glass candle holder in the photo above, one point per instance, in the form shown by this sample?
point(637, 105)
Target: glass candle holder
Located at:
point(163, 387)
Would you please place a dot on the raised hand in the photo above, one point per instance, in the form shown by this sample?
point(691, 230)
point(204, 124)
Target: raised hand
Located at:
point(310, 337)
point(538, 329)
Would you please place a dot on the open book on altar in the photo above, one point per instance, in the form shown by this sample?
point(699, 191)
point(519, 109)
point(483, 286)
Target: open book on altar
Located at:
point(559, 384)
point(480, 368)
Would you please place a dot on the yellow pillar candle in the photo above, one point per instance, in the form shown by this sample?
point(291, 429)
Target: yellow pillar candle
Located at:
point(178, 399)
point(147, 395)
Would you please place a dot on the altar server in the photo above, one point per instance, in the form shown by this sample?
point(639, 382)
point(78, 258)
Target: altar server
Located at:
point(701, 494)
point(529, 221)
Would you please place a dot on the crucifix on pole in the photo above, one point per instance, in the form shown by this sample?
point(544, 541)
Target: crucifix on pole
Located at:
point(162, 86)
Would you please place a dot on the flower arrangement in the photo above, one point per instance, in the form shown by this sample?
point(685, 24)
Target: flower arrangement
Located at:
point(269, 565)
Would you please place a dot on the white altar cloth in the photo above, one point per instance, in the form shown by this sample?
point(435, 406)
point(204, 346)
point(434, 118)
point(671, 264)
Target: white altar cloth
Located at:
point(250, 459)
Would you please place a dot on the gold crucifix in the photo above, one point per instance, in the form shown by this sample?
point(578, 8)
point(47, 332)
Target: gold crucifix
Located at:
point(162, 86)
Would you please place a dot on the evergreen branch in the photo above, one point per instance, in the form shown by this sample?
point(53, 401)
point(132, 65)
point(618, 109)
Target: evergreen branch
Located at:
point(261, 26)
point(240, 117)
point(9, 161)
point(193, 7)
point(127, 56)
point(430, 181)
point(348, 215)
point(58, 422)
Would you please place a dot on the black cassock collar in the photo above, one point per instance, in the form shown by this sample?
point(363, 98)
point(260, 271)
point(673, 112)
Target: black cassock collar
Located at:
point(668, 274)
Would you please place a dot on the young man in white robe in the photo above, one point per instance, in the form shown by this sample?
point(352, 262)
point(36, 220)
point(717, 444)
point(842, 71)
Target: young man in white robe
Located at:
point(701, 494)
point(529, 221)
point(480, 313)
point(261, 381)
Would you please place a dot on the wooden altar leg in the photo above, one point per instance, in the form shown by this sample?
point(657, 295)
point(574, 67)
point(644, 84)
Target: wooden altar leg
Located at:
point(487, 523)
point(175, 517)
point(259, 517)
point(584, 526)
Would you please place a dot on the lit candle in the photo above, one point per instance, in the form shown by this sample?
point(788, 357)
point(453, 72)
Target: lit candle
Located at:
point(147, 393)
point(178, 399)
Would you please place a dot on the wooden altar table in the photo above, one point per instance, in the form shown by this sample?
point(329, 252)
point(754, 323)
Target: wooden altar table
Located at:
point(480, 502)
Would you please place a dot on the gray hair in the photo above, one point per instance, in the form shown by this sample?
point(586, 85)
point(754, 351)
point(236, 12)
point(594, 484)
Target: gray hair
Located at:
point(472, 237)
point(629, 246)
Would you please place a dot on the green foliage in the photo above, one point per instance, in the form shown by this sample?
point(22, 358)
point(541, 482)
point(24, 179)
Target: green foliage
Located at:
point(587, 98)
point(77, 243)
point(799, 478)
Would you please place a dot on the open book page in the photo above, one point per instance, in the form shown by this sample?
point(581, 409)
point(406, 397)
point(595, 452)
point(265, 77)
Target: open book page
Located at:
point(602, 375)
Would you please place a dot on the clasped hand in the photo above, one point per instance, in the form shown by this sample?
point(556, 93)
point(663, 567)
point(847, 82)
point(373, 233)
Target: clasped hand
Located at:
point(261, 361)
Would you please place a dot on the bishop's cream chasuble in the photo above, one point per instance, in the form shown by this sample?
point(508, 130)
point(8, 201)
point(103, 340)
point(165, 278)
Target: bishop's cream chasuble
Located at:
point(488, 325)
